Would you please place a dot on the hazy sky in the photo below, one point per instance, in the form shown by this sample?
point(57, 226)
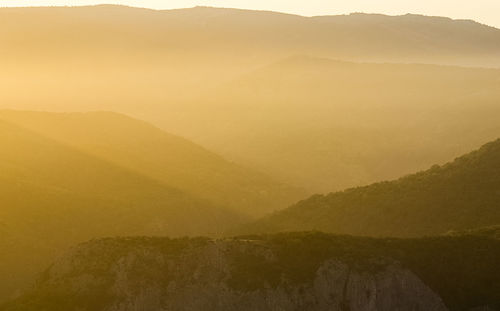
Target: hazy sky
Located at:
point(484, 11)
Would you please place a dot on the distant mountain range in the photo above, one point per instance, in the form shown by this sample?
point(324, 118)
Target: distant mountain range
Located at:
point(205, 31)
point(231, 81)
point(328, 125)
point(463, 194)
point(80, 57)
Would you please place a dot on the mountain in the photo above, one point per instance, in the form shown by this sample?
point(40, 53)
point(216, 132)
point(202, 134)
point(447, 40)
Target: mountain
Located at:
point(67, 178)
point(460, 195)
point(205, 73)
point(86, 57)
point(205, 30)
point(290, 271)
point(328, 125)
point(54, 196)
point(169, 159)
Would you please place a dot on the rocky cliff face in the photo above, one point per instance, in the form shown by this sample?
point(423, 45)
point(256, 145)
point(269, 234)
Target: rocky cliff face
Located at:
point(235, 274)
point(200, 279)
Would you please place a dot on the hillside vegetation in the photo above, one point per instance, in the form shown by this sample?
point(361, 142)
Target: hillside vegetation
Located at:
point(460, 195)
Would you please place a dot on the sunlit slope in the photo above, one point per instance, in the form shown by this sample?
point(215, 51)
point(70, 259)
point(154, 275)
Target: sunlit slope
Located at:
point(463, 194)
point(327, 125)
point(110, 57)
point(172, 160)
point(53, 196)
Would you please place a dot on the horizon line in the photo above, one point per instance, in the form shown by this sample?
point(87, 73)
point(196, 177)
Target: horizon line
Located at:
point(256, 10)
point(239, 9)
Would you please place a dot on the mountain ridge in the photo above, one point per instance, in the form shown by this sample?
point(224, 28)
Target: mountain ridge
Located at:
point(231, 9)
point(305, 120)
point(170, 159)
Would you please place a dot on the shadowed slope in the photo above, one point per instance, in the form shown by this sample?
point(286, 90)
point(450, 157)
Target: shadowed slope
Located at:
point(172, 160)
point(53, 196)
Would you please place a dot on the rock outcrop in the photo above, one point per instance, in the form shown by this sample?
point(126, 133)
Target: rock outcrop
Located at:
point(200, 279)
point(157, 274)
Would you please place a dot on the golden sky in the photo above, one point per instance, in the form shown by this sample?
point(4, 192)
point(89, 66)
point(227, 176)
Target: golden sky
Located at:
point(484, 11)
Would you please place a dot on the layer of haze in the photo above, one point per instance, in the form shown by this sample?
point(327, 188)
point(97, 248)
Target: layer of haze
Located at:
point(244, 113)
point(483, 11)
point(273, 84)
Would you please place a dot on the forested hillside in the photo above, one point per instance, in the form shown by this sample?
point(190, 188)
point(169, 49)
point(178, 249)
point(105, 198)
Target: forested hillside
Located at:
point(463, 194)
